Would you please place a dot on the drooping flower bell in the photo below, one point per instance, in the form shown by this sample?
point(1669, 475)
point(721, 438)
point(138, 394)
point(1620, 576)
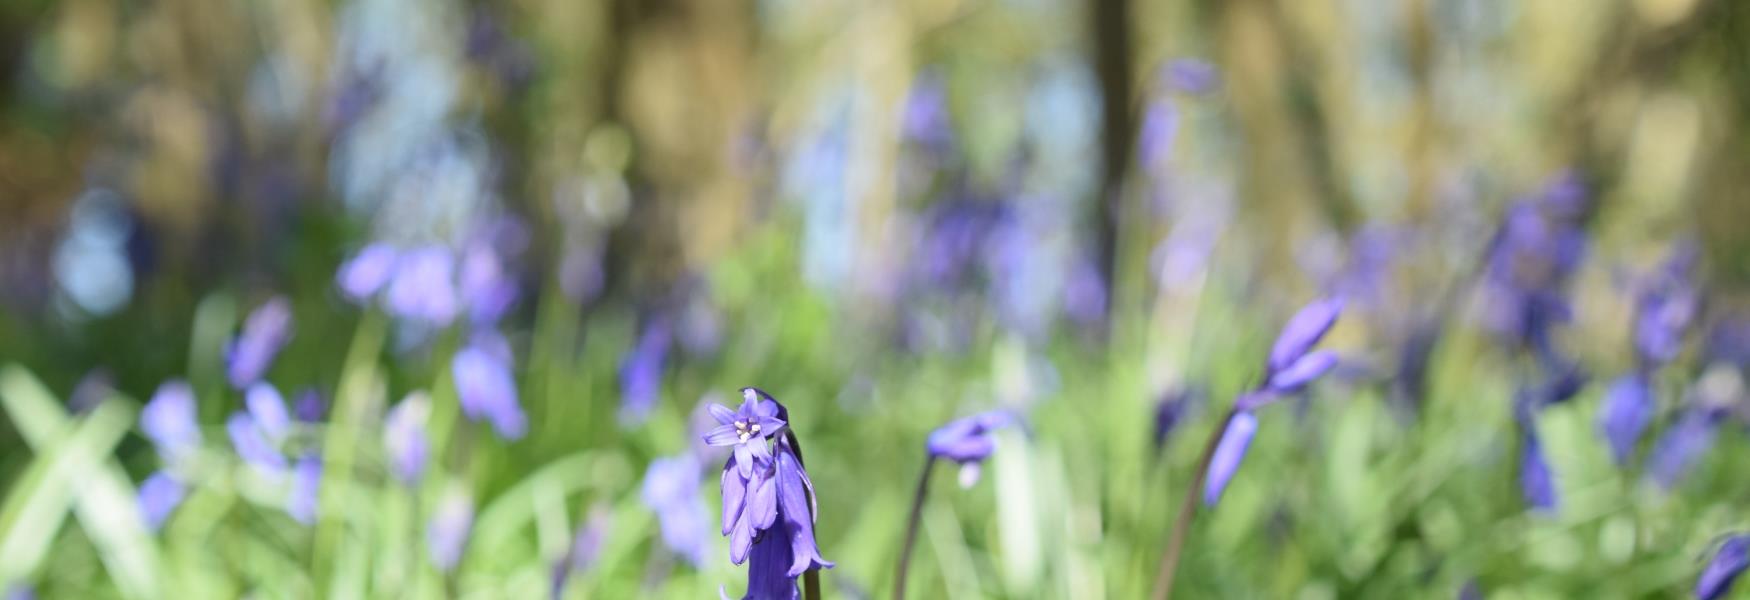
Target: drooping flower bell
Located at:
point(1729, 561)
point(768, 499)
point(967, 441)
point(446, 536)
point(487, 390)
point(264, 333)
point(361, 276)
point(169, 420)
point(1292, 365)
point(159, 495)
point(404, 437)
point(671, 489)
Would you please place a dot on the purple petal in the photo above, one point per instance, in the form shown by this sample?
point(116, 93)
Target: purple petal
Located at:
point(169, 419)
point(447, 535)
point(159, 496)
point(1303, 371)
point(722, 435)
point(268, 409)
point(306, 481)
point(796, 507)
point(1303, 331)
point(744, 458)
point(722, 413)
point(423, 288)
point(487, 391)
point(734, 488)
point(264, 333)
point(252, 446)
point(1723, 570)
point(1235, 438)
point(1628, 409)
point(362, 275)
point(762, 506)
point(404, 437)
point(1536, 480)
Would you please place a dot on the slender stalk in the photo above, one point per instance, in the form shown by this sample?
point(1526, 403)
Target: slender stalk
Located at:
point(1187, 509)
point(911, 527)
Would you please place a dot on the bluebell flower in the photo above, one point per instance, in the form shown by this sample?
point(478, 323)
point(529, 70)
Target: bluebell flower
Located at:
point(485, 286)
point(1302, 332)
point(306, 483)
point(268, 409)
point(641, 372)
point(1536, 480)
point(1682, 444)
point(404, 438)
point(423, 287)
point(446, 536)
point(252, 444)
point(586, 546)
point(264, 333)
point(671, 490)
point(1728, 562)
point(159, 496)
point(1291, 366)
point(1665, 307)
point(487, 391)
point(1170, 411)
point(1236, 437)
point(968, 441)
point(361, 276)
point(746, 429)
point(169, 419)
point(769, 505)
point(1628, 409)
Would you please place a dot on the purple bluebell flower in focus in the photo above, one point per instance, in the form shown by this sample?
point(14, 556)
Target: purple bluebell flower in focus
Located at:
point(1729, 561)
point(306, 482)
point(1628, 409)
point(268, 409)
point(252, 444)
point(641, 372)
point(1236, 437)
point(423, 288)
point(671, 490)
point(446, 536)
point(769, 505)
point(361, 276)
point(1191, 76)
point(746, 429)
point(404, 439)
point(169, 419)
point(159, 496)
point(1682, 444)
point(487, 391)
point(264, 333)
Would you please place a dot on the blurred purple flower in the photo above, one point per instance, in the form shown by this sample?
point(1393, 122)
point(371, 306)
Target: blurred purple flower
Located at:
point(1664, 309)
point(446, 536)
point(1536, 480)
point(1236, 436)
point(746, 429)
point(1170, 410)
point(1191, 76)
point(926, 118)
point(1729, 561)
point(1682, 444)
point(264, 333)
point(967, 441)
point(20, 591)
point(252, 444)
point(361, 276)
point(485, 286)
point(159, 496)
point(641, 372)
point(422, 287)
point(306, 482)
point(487, 391)
point(404, 440)
point(671, 489)
point(580, 273)
point(1302, 332)
point(586, 546)
point(268, 409)
point(169, 419)
point(1628, 409)
point(1160, 129)
point(1084, 294)
point(309, 407)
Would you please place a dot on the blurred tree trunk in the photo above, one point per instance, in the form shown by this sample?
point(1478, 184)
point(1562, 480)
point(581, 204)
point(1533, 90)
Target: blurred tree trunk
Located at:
point(1114, 62)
